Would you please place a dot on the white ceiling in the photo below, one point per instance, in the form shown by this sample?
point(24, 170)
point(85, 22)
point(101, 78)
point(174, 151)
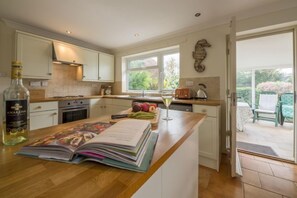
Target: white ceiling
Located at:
point(271, 51)
point(112, 24)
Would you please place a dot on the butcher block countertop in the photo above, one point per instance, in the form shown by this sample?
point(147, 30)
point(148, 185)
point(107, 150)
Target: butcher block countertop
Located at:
point(27, 177)
point(138, 98)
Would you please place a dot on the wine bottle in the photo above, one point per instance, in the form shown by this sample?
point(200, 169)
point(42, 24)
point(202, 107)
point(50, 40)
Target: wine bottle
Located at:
point(16, 117)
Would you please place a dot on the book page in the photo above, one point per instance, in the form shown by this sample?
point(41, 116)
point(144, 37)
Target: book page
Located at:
point(125, 132)
point(71, 138)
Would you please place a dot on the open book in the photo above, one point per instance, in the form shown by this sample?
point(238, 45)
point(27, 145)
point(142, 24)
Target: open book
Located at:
point(128, 144)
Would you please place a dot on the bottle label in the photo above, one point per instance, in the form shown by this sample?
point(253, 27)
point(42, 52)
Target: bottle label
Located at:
point(16, 116)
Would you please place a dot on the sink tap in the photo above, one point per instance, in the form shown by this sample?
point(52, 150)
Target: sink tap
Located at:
point(142, 95)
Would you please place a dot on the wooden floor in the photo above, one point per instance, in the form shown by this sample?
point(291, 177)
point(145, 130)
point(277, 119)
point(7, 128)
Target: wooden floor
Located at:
point(262, 178)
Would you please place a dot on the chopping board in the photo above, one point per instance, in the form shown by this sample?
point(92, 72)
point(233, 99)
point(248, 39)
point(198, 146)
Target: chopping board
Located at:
point(153, 121)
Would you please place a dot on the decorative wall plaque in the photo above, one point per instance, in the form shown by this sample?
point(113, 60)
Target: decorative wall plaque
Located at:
point(200, 54)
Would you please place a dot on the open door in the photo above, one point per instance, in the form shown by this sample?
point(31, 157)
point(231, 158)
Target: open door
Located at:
point(232, 99)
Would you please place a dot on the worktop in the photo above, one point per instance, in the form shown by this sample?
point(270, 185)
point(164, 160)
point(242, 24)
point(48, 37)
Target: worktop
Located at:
point(138, 98)
point(23, 176)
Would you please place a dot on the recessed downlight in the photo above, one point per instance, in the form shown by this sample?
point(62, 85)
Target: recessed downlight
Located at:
point(68, 32)
point(136, 34)
point(198, 14)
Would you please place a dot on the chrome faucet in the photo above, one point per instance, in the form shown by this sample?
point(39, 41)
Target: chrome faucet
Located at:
point(142, 95)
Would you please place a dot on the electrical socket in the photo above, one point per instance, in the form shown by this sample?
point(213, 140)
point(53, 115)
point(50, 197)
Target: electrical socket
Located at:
point(44, 83)
point(189, 83)
point(35, 83)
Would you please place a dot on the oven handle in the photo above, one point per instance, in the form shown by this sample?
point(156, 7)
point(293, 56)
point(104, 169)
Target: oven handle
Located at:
point(74, 109)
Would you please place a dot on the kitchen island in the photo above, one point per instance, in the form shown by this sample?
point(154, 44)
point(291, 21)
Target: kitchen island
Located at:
point(176, 151)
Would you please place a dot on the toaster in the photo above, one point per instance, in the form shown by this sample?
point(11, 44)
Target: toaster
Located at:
point(184, 93)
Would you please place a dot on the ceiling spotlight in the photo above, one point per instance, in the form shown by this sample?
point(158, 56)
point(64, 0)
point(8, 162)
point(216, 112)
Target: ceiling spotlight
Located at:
point(68, 32)
point(197, 14)
point(136, 35)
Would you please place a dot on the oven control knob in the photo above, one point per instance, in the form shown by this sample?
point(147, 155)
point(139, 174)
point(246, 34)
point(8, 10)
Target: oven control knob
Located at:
point(81, 102)
point(68, 103)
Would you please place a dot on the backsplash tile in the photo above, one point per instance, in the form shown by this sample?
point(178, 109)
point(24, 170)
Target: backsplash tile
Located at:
point(64, 82)
point(212, 85)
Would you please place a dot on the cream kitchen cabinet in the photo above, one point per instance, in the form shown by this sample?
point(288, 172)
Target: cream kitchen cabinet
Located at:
point(114, 106)
point(43, 114)
point(97, 107)
point(106, 67)
point(178, 176)
point(90, 69)
point(35, 53)
point(98, 67)
point(209, 136)
point(108, 106)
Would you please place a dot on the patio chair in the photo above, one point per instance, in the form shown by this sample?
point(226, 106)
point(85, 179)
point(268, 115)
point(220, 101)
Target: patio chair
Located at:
point(267, 109)
point(286, 107)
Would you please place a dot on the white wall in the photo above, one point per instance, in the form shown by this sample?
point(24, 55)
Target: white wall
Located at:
point(216, 55)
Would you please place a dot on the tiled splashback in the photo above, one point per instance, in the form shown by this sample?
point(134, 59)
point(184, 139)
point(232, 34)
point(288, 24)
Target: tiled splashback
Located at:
point(64, 82)
point(212, 85)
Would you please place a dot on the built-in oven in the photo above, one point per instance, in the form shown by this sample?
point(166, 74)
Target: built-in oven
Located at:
point(72, 110)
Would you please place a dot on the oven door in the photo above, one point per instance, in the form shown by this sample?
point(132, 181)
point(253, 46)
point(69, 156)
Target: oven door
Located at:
point(73, 114)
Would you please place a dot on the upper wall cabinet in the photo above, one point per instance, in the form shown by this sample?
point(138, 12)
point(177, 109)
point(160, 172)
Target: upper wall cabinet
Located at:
point(90, 65)
point(35, 53)
point(106, 67)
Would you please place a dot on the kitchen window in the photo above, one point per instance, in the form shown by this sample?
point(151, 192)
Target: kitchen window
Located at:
point(152, 71)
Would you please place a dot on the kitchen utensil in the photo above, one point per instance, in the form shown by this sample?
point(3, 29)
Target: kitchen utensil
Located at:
point(201, 93)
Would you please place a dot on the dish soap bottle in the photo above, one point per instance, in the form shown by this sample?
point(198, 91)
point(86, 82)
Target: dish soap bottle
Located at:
point(16, 117)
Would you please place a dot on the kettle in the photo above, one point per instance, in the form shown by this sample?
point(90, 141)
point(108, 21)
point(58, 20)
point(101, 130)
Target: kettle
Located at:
point(201, 94)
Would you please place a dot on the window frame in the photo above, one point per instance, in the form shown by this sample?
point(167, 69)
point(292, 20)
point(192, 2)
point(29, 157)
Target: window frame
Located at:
point(160, 66)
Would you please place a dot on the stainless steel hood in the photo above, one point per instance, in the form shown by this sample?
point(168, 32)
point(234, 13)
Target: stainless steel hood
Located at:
point(67, 54)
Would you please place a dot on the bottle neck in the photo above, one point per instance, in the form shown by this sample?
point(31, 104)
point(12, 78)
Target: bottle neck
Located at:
point(16, 81)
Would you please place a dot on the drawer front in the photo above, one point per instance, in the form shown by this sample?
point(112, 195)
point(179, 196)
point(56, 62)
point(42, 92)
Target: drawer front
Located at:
point(43, 106)
point(208, 110)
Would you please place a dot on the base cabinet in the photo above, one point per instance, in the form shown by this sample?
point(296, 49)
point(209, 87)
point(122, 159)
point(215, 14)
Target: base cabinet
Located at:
point(178, 176)
point(209, 136)
point(43, 114)
point(97, 107)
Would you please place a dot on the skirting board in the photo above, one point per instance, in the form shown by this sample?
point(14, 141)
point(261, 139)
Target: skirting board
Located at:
point(210, 163)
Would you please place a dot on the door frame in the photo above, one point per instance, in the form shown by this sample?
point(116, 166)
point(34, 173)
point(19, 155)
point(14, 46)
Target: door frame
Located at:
point(293, 29)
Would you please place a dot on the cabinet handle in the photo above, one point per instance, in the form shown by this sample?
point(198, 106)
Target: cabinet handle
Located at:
point(83, 76)
point(55, 113)
point(49, 74)
point(73, 61)
point(204, 110)
point(38, 107)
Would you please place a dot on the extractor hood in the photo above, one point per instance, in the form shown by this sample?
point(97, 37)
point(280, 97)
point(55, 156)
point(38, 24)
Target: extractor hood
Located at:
point(67, 54)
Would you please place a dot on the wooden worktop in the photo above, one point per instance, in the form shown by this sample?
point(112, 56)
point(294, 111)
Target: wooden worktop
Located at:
point(27, 177)
point(145, 98)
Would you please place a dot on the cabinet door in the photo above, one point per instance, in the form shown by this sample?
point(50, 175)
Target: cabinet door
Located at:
point(90, 65)
point(35, 53)
point(106, 67)
point(208, 138)
point(97, 107)
point(43, 119)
